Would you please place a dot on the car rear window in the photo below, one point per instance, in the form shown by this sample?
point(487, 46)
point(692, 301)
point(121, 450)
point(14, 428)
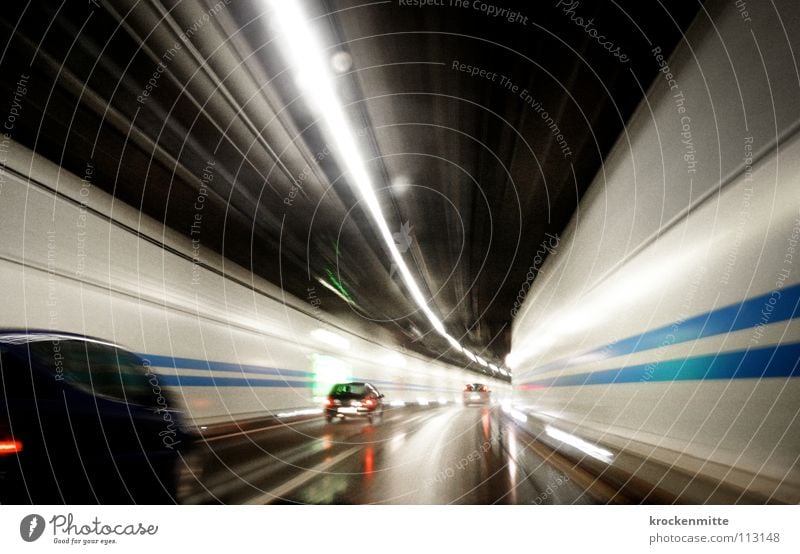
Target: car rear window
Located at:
point(349, 388)
point(96, 368)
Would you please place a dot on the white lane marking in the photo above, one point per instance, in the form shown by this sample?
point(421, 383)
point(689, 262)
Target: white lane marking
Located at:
point(311, 473)
point(287, 425)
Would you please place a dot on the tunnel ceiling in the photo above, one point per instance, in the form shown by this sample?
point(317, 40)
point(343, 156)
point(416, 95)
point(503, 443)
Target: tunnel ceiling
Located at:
point(174, 100)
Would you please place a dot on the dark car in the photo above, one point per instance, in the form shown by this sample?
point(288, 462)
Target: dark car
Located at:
point(477, 393)
point(353, 400)
point(83, 421)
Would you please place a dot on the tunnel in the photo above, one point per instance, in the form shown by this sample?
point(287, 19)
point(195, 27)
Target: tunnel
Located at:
point(402, 252)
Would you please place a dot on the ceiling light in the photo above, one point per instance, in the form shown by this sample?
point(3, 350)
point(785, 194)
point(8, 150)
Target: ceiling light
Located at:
point(453, 342)
point(310, 64)
point(341, 62)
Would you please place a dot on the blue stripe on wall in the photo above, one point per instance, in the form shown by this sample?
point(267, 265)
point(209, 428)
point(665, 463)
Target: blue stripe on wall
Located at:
point(774, 361)
point(207, 365)
point(734, 317)
point(191, 363)
point(200, 381)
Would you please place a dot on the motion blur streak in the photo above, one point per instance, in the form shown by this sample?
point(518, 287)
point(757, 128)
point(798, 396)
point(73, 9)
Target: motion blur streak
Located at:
point(306, 56)
point(166, 194)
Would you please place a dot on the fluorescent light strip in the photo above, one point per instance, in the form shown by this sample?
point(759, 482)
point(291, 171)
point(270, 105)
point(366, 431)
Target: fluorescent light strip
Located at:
point(295, 413)
point(305, 55)
point(591, 449)
point(454, 343)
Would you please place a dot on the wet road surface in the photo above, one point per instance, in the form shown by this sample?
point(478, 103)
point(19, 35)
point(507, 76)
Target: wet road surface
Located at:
point(436, 455)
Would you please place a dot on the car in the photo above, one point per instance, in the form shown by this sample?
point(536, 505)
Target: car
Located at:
point(354, 400)
point(476, 393)
point(84, 421)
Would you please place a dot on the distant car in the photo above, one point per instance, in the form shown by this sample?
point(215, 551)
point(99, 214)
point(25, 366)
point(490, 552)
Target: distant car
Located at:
point(477, 393)
point(353, 400)
point(83, 421)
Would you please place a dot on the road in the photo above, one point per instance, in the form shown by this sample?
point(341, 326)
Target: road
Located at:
point(436, 455)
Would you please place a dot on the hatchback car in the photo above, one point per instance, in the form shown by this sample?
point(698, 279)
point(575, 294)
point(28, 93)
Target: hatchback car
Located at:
point(83, 421)
point(476, 393)
point(353, 400)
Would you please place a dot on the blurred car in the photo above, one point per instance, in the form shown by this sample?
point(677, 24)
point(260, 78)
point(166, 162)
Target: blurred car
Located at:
point(476, 393)
point(83, 421)
point(353, 400)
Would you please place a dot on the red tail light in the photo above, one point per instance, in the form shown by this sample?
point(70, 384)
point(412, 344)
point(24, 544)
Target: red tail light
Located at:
point(369, 402)
point(484, 389)
point(10, 447)
point(467, 389)
point(328, 402)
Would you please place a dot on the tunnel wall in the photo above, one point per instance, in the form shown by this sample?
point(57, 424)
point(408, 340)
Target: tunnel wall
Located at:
point(230, 346)
point(663, 323)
